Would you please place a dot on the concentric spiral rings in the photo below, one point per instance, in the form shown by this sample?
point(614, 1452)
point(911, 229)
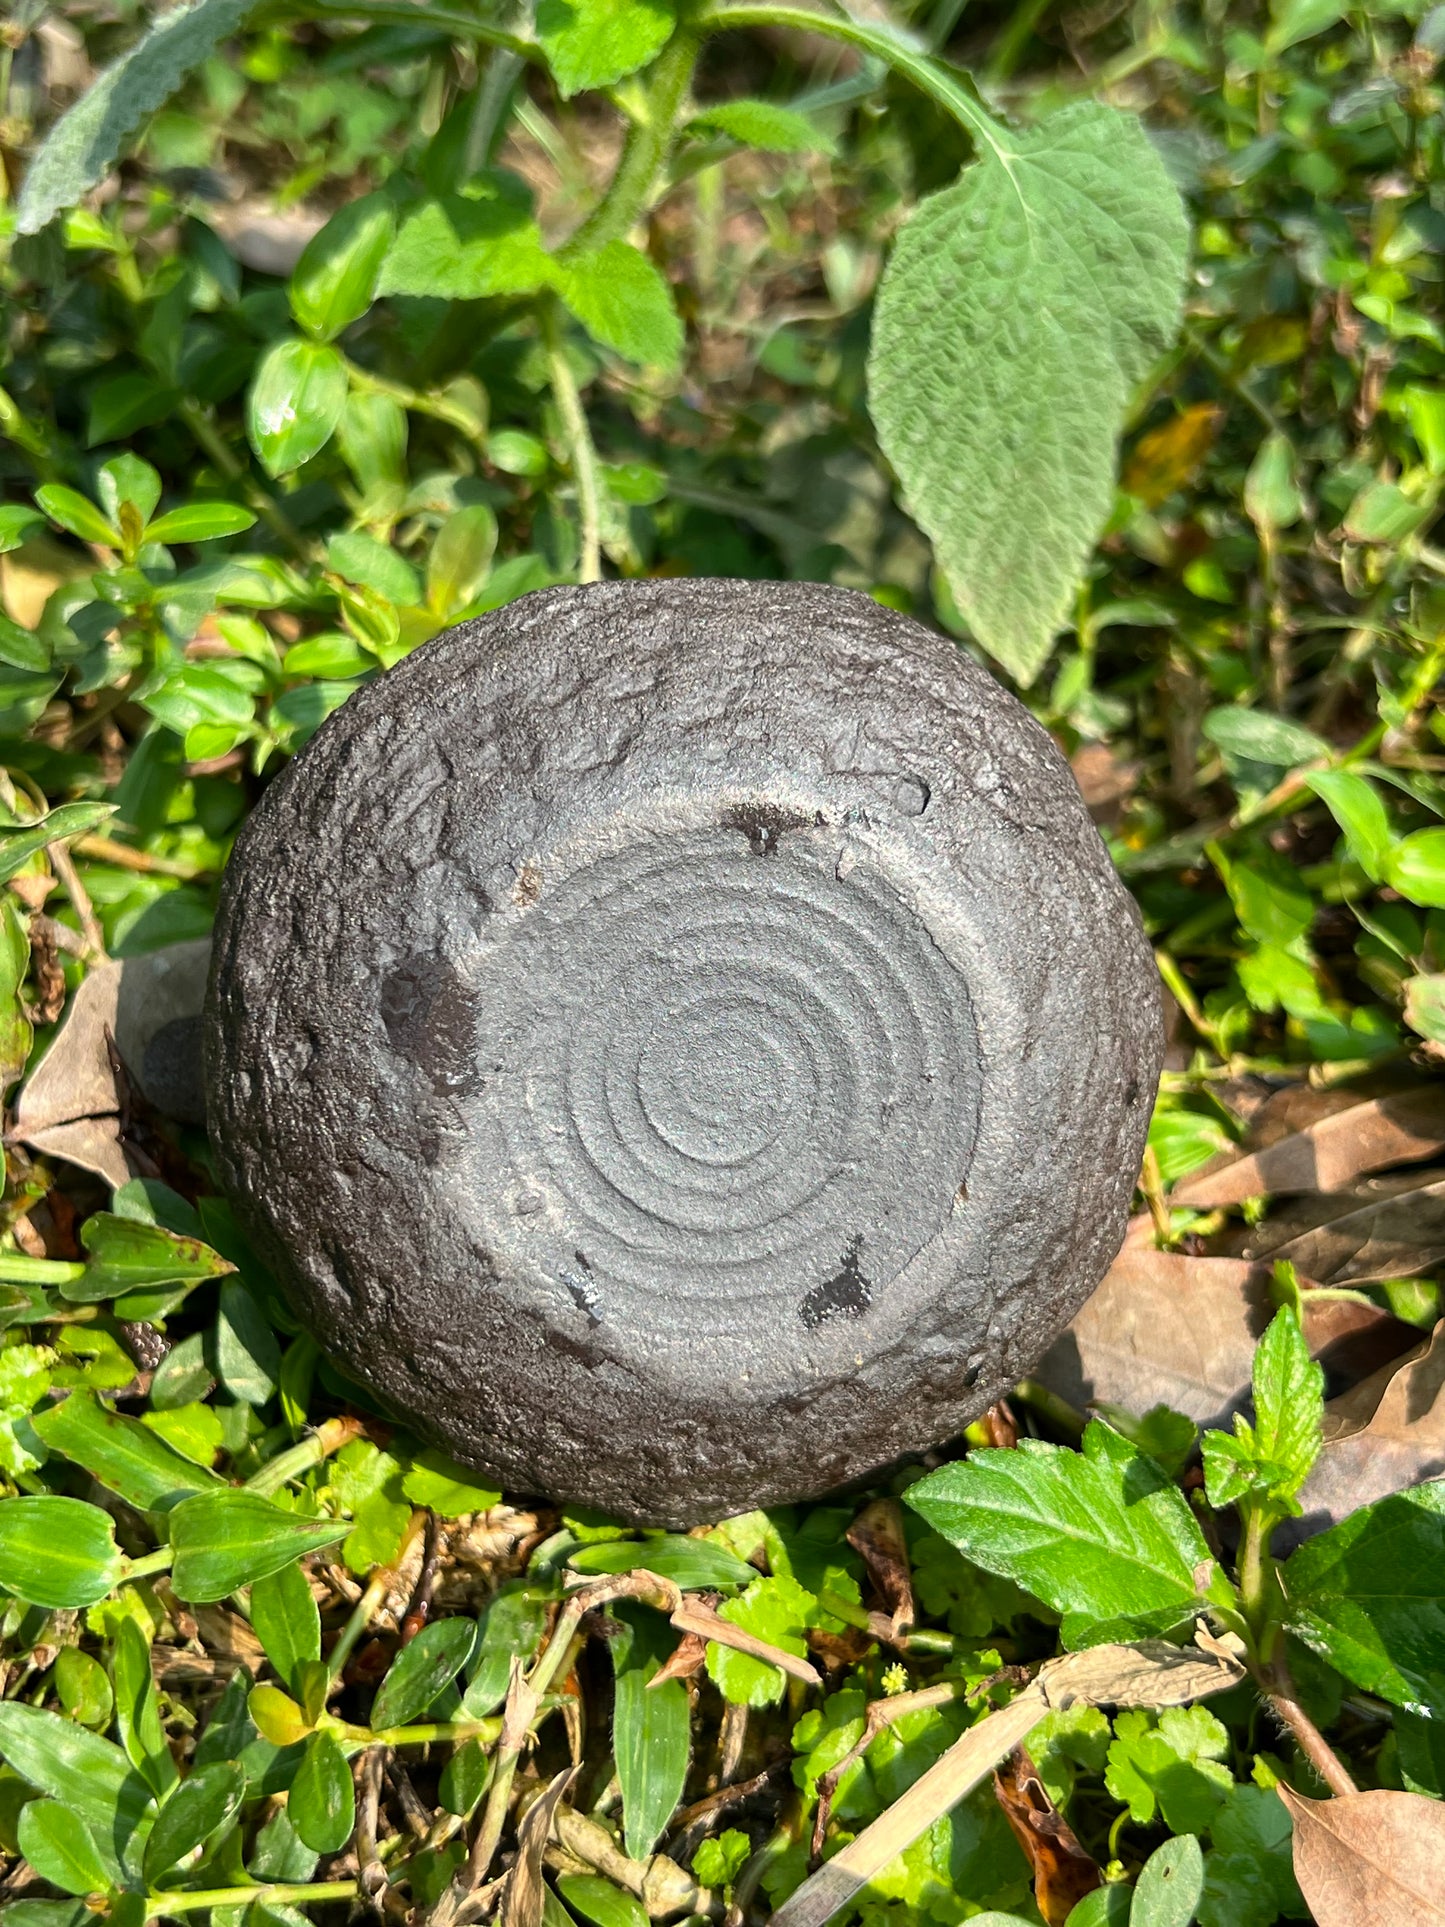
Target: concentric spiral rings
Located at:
point(732, 1084)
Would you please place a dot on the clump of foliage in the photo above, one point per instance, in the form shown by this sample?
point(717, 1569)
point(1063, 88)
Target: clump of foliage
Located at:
point(330, 325)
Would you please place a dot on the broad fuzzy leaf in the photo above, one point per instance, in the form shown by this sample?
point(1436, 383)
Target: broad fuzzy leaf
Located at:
point(1021, 307)
point(1369, 1596)
point(624, 302)
point(591, 43)
point(462, 249)
point(1101, 1533)
point(83, 143)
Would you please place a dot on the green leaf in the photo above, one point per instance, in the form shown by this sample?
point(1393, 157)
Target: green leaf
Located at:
point(138, 1719)
point(19, 844)
point(76, 515)
point(61, 1848)
point(361, 558)
point(650, 1728)
point(248, 1358)
point(460, 557)
point(1263, 738)
point(334, 282)
point(81, 146)
point(1272, 497)
point(200, 522)
point(462, 249)
point(763, 124)
point(591, 43)
point(623, 301)
point(1422, 1753)
point(446, 1488)
point(1173, 1766)
point(81, 1770)
point(421, 1670)
point(698, 1564)
point(21, 648)
point(1289, 1399)
point(16, 1035)
point(514, 1624)
point(322, 1805)
point(1170, 1886)
point(1356, 806)
point(206, 1801)
point(57, 1552)
point(1416, 868)
point(777, 1610)
point(84, 1687)
point(228, 1538)
point(1021, 307)
point(1369, 1597)
point(599, 1901)
point(123, 1454)
point(285, 1618)
point(1101, 1533)
point(1425, 1005)
point(17, 524)
point(294, 404)
point(125, 1254)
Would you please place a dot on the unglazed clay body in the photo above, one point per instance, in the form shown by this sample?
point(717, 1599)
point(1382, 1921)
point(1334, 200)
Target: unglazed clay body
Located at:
point(682, 1044)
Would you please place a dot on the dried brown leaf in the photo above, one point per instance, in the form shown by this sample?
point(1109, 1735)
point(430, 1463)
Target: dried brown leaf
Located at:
point(1384, 1434)
point(1397, 1234)
point(1063, 1870)
point(1148, 1672)
point(877, 1536)
point(1370, 1859)
point(1164, 1329)
point(524, 1893)
point(1398, 1129)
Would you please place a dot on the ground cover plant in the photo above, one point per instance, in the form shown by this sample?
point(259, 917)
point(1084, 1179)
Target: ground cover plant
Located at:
point(327, 325)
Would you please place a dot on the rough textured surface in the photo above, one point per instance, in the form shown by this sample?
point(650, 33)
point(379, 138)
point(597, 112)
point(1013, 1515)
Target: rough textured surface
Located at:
point(682, 1043)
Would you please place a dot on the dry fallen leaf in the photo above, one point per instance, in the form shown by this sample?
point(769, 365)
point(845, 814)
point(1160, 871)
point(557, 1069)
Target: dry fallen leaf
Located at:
point(1063, 1871)
point(1164, 1329)
point(524, 1894)
point(70, 1108)
point(1384, 1434)
point(1165, 458)
point(1391, 1230)
point(1370, 1859)
point(1398, 1129)
point(877, 1536)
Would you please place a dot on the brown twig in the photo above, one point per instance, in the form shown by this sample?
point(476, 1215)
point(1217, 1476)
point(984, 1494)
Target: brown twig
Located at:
point(419, 1608)
point(371, 1875)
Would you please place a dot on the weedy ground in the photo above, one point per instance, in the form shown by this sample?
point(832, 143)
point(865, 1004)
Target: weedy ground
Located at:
point(258, 1661)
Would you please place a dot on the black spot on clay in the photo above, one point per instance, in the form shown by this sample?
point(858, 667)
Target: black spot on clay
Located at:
point(763, 824)
point(430, 1020)
point(847, 1294)
point(1131, 1095)
point(970, 1377)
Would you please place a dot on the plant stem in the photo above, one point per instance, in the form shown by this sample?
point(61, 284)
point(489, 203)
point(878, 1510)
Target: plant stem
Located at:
point(377, 1588)
point(1280, 1690)
point(627, 198)
point(270, 511)
point(297, 1459)
point(580, 449)
point(17, 1269)
point(927, 75)
point(282, 1894)
point(412, 399)
point(465, 26)
point(152, 1562)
